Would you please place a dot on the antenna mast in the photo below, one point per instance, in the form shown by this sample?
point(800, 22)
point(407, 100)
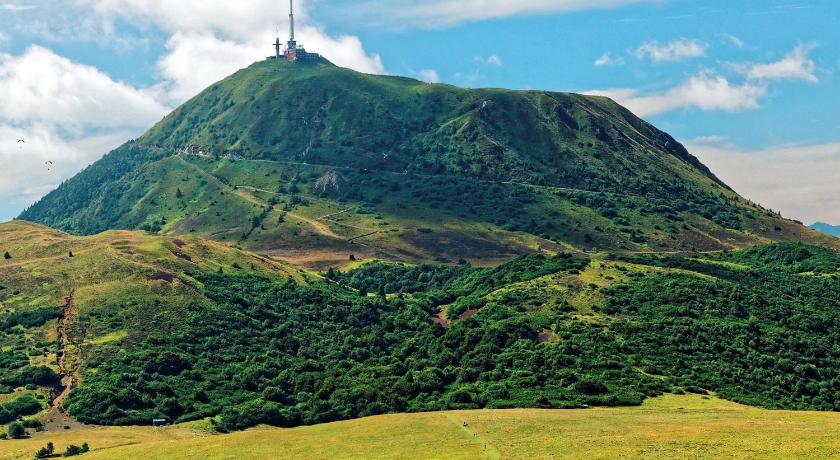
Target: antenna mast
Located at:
point(292, 19)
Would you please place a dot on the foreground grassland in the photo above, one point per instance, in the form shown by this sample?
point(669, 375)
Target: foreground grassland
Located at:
point(667, 427)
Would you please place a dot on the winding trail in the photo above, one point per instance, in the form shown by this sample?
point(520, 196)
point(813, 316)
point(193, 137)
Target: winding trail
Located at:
point(240, 191)
point(56, 418)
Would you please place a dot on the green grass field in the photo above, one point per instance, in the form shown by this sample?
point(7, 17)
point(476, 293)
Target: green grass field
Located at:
point(671, 426)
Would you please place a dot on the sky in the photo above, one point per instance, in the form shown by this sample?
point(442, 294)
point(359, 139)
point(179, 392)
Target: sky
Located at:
point(750, 87)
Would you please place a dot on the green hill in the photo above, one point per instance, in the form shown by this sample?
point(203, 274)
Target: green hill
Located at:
point(313, 163)
point(147, 326)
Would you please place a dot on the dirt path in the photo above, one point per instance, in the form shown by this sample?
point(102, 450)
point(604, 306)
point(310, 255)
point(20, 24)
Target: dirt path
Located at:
point(56, 418)
point(241, 192)
point(352, 240)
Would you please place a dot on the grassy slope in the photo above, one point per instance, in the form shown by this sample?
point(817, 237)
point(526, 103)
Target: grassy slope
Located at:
point(583, 173)
point(666, 427)
point(119, 282)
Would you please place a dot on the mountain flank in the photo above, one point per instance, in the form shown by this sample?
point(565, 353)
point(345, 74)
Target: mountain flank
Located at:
point(314, 163)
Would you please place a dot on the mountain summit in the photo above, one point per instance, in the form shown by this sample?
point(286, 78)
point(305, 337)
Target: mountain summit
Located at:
point(428, 172)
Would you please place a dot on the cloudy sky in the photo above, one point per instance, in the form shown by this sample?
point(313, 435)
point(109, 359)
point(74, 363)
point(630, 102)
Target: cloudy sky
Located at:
point(751, 87)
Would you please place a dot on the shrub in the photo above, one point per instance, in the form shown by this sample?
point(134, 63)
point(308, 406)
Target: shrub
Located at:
point(73, 450)
point(46, 451)
point(16, 430)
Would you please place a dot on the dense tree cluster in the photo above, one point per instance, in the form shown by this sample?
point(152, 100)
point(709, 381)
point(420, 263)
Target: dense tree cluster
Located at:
point(290, 354)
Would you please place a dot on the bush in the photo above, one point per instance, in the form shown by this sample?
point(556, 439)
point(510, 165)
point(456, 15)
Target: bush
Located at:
point(16, 430)
point(73, 450)
point(46, 451)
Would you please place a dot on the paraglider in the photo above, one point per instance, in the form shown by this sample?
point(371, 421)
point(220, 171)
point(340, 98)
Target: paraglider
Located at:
point(48, 164)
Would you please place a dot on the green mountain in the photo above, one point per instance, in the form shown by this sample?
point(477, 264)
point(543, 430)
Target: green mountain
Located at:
point(315, 163)
point(599, 263)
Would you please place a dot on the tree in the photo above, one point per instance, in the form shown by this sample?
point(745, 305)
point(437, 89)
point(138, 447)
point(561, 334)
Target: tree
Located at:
point(16, 430)
point(73, 450)
point(7, 256)
point(46, 451)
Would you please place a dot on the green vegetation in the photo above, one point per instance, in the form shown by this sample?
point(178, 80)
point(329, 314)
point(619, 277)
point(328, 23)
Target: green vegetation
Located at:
point(29, 318)
point(330, 169)
point(46, 451)
point(748, 331)
point(19, 407)
point(427, 173)
point(15, 430)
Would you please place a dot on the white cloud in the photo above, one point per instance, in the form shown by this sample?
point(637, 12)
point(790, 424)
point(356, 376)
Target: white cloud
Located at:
point(445, 13)
point(210, 39)
point(797, 65)
point(800, 181)
point(67, 113)
point(186, 70)
point(678, 50)
point(704, 91)
point(429, 76)
point(41, 87)
point(607, 60)
point(492, 60)
point(27, 176)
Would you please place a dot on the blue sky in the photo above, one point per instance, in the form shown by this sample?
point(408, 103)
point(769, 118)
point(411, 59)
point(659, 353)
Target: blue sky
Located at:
point(750, 87)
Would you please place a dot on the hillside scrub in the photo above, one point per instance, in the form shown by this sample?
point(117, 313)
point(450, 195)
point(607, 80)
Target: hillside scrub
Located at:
point(289, 354)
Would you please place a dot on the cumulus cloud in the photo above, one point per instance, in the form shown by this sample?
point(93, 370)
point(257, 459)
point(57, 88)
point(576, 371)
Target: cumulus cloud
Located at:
point(445, 13)
point(40, 86)
point(799, 181)
point(678, 50)
point(796, 65)
point(704, 91)
point(216, 37)
point(27, 176)
point(67, 113)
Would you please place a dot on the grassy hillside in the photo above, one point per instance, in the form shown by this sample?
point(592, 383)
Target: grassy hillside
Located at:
point(313, 163)
point(65, 300)
point(160, 331)
point(667, 427)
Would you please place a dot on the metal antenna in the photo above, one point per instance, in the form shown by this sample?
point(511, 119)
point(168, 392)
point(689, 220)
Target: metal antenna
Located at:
point(292, 18)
